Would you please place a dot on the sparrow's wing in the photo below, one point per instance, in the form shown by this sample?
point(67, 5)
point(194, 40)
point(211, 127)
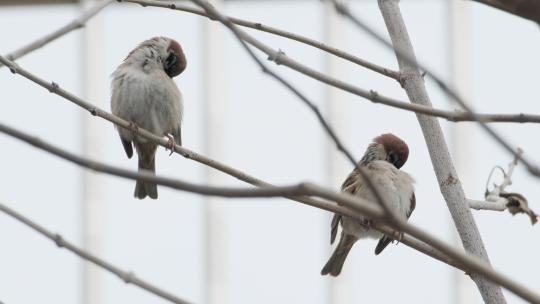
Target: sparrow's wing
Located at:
point(117, 105)
point(127, 147)
point(351, 183)
point(413, 205)
point(385, 240)
point(335, 223)
point(348, 186)
point(178, 135)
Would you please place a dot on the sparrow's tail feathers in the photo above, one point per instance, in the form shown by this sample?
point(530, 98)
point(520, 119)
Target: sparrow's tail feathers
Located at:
point(147, 163)
point(383, 242)
point(336, 261)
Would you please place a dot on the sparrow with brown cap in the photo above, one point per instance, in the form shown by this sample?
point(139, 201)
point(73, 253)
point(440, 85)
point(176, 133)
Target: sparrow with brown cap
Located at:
point(144, 93)
point(381, 163)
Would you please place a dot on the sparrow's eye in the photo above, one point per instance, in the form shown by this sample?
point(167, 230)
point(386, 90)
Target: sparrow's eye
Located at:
point(394, 159)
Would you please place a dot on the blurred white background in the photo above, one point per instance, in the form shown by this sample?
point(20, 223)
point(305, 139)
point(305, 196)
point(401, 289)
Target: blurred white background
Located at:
point(255, 250)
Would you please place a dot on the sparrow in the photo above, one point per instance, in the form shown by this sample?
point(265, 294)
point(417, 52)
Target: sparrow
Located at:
point(143, 92)
point(381, 162)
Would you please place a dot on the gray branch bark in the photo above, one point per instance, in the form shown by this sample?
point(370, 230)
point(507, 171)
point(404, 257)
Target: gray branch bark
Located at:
point(449, 182)
point(127, 276)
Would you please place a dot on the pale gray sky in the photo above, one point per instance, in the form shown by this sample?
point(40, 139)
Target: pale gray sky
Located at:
point(274, 249)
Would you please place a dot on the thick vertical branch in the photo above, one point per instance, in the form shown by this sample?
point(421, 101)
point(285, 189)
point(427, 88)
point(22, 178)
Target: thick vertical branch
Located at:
point(449, 183)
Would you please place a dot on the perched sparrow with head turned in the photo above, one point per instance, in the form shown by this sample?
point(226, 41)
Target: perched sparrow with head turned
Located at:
point(381, 162)
point(144, 93)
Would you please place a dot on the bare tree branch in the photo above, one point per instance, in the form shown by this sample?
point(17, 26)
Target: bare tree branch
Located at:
point(469, 263)
point(507, 181)
point(494, 201)
point(77, 23)
point(127, 276)
point(440, 156)
point(458, 116)
point(498, 205)
point(455, 257)
point(54, 88)
point(454, 116)
point(349, 203)
point(342, 9)
point(281, 58)
point(270, 191)
point(175, 184)
point(96, 111)
point(295, 192)
point(528, 9)
point(241, 36)
point(279, 32)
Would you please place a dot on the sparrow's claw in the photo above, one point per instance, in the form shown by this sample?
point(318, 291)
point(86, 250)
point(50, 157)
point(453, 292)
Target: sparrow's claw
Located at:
point(399, 236)
point(368, 223)
point(133, 127)
point(170, 144)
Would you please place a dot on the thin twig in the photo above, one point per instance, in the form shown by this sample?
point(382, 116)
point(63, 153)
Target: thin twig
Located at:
point(127, 276)
point(77, 23)
point(344, 11)
point(470, 264)
point(494, 201)
point(499, 200)
point(281, 58)
point(497, 205)
point(507, 181)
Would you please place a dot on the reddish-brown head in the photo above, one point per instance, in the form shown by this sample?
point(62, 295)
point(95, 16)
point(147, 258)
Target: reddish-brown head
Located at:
point(175, 63)
point(160, 50)
point(396, 149)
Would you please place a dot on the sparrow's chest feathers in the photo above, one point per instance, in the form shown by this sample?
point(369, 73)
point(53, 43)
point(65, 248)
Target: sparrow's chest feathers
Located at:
point(395, 186)
point(140, 95)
